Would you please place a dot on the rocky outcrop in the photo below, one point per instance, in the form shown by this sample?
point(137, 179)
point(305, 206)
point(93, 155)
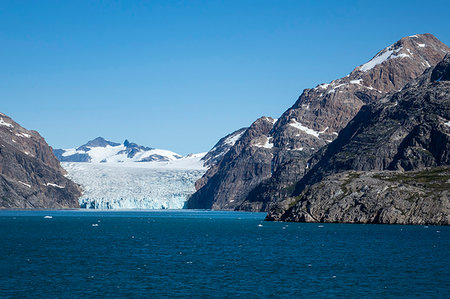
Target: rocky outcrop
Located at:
point(404, 132)
point(391, 197)
point(313, 122)
point(30, 174)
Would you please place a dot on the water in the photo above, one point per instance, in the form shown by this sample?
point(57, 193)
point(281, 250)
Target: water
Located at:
point(202, 253)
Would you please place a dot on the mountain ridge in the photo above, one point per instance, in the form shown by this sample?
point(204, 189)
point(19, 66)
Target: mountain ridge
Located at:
point(390, 164)
point(311, 123)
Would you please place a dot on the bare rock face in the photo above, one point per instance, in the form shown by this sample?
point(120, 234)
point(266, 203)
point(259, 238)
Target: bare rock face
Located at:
point(213, 158)
point(314, 121)
point(408, 133)
point(390, 197)
point(30, 174)
point(244, 165)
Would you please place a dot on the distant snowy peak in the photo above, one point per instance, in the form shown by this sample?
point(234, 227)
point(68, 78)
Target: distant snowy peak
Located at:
point(100, 150)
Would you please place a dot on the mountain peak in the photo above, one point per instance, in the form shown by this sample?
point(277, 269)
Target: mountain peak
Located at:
point(97, 142)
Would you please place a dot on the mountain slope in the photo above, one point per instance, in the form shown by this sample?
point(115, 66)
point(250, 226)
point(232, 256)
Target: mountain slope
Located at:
point(30, 175)
point(407, 133)
point(311, 123)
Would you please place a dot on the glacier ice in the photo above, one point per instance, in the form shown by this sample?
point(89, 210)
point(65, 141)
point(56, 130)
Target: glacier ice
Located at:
point(135, 185)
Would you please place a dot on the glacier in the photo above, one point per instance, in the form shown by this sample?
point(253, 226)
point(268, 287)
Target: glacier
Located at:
point(136, 185)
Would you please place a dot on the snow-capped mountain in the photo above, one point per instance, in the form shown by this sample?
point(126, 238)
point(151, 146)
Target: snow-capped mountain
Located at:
point(100, 150)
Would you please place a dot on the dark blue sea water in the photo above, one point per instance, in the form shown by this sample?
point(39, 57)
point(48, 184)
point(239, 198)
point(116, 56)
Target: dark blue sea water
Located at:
point(202, 253)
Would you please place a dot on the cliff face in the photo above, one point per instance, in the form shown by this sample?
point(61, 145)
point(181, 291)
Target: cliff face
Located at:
point(407, 133)
point(243, 166)
point(30, 174)
point(311, 123)
point(390, 197)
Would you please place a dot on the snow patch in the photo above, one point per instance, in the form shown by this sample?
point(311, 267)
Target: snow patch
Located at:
point(25, 135)
point(421, 45)
point(54, 185)
point(447, 123)
point(4, 123)
point(381, 57)
point(323, 86)
point(356, 81)
point(233, 139)
point(267, 144)
point(25, 184)
point(294, 123)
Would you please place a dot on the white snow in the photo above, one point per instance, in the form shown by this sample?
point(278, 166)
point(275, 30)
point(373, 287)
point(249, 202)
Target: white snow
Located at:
point(112, 154)
point(323, 86)
point(421, 45)
point(4, 123)
point(294, 123)
point(25, 184)
point(447, 123)
point(25, 135)
point(339, 85)
point(54, 185)
point(267, 144)
point(296, 149)
point(233, 139)
point(415, 35)
point(381, 57)
point(356, 81)
point(401, 55)
point(143, 185)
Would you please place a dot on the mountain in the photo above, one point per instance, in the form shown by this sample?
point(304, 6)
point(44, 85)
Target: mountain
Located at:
point(100, 150)
point(271, 156)
point(30, 174)
point(390, 164)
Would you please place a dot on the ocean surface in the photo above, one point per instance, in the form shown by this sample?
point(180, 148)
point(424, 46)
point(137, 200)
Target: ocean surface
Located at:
point(215, 254)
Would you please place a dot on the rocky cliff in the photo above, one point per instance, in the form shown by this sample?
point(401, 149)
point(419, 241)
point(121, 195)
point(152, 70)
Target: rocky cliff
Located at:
point(266, 167)
point(241, 169)
point(407, 133)
point(30, 174)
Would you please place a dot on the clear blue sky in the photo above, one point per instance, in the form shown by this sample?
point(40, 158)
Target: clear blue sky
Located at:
point(179, 75)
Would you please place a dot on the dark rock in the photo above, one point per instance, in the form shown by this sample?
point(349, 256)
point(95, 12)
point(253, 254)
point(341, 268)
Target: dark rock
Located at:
point(389, 197)
point(30, 174)
point(240, 170)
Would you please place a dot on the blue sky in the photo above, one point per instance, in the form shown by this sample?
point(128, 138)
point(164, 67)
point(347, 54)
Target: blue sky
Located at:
point(180, 75)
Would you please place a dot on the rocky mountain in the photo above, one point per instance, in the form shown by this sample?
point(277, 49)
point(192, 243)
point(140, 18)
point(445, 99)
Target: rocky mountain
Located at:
point(264, 167)
point(225, 182)
point(30, 174)
point(212, 159)
point(390, 164)
point(100, 150)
